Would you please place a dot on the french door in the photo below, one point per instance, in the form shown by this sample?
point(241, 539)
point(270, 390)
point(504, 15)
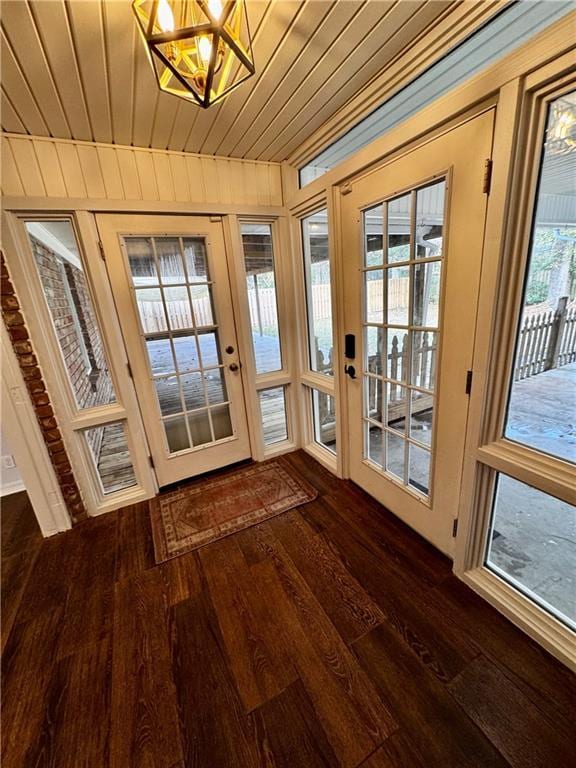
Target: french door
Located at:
point(169, 277)
point(412, 234)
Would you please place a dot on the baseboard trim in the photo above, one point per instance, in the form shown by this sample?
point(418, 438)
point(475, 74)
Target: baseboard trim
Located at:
point(9, 488)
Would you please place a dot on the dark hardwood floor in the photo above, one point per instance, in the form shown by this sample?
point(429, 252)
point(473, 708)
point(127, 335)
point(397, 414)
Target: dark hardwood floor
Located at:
point(328, 636)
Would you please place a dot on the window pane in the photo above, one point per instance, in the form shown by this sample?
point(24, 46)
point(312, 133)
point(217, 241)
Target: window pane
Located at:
point(63, 281)
point(399, 229)
point(177, 434)
point(374, 233)
point(374, 287)
point(374, 448)
point(273, 413)
point(324, 418)
point(318, 291)
point(151, 310)
point(395, 455)
point(426, 294)
point(168, 392)
point(262, 299)
point(430, 221)
point(532, 545)
point(160, 355)
point(111, 455)
point(170, 260)
point(141, 261)
point(221, 422)
point(542, 403)
point(398, 295)
point(196, 263)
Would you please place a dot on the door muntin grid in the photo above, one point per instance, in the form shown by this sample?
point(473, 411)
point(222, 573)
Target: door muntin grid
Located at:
point(403, 240)
point(173, 293)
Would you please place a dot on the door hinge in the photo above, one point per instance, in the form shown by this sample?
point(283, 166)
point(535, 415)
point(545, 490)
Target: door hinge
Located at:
point(102, 254)
point(487, 182)
point(454, 528)
point(151, 460)
point(469, 377)
point(129, 367)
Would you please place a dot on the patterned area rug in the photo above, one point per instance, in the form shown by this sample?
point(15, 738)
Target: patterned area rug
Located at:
point(186, 519)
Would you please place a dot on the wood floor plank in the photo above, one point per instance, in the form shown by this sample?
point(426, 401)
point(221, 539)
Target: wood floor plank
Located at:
point(437, 727)
point(182, 577)
point(396, 752)
point(88, 613)
point(509, 719)
point(27, 667)
point(352, 714)
point(145, 729)
point(349, 607)
point(545, 681)
point(293, 734)
point(135, 552)
point(79, 693)
point(18, 525)
point(388, 534)
point(258, 656)
point(50, 580)
point(423, 625)
point(216, 730)
point(16, 570)
point(262, 624)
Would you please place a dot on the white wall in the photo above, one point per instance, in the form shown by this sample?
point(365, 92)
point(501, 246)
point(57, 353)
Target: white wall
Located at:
point(10, 480)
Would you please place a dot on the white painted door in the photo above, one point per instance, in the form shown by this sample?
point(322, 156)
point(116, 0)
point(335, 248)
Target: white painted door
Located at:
point(412, 234)
point(169, 277)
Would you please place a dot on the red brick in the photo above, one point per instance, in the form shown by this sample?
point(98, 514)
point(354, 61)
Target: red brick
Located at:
point(12, 319)
point(22, 347)
point(27, 361)
point(31, 374)
point(18, 333)
point(44, 411)
point(6, 287)
point(9, 302)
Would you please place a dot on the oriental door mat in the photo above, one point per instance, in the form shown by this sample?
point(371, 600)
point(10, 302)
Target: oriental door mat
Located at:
point(189, 518)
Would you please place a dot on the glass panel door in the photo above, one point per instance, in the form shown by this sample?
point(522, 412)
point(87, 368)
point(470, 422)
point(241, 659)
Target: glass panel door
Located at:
point(170, 276)
point(412, 238)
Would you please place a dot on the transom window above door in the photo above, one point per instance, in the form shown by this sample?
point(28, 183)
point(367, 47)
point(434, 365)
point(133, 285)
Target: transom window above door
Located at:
point(403, 255)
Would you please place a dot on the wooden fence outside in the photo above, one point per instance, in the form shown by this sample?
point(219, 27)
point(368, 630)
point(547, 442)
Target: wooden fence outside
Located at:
point(546, 340)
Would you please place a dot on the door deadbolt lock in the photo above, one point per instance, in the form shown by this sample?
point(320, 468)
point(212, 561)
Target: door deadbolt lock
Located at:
point(229, 350)
point(234, 367)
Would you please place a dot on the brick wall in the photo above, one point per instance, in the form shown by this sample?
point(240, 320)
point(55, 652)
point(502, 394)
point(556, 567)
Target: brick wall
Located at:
point(39, 396)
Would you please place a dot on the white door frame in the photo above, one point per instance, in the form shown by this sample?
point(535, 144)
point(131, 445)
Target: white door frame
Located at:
point(112, 229)
point(21, 428)
point(508, 230)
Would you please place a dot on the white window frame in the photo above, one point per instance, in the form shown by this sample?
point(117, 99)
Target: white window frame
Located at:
point(308, 378)
point(73, 421)
point(522, 114)
point(256, 382)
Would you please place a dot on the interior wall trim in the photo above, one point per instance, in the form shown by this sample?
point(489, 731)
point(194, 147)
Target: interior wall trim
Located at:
point(40, 167)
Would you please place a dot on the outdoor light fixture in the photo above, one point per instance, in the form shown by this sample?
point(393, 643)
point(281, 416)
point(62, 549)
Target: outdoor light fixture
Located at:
point(200, 49)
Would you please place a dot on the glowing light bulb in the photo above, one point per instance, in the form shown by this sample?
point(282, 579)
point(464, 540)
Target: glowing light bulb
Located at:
point(165, 17)
point(204, 50)
point(215, 7)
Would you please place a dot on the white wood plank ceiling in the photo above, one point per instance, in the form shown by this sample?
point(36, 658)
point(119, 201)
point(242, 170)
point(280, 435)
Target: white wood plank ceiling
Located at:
point(77, 69)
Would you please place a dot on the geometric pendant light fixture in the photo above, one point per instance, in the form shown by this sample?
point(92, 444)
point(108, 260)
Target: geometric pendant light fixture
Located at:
point(200, 49)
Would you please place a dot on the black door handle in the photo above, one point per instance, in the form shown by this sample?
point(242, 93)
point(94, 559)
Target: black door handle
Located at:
point(350, 370)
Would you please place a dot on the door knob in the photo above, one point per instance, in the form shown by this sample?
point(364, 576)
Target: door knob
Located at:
point(233, 367)
point(350, 370)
